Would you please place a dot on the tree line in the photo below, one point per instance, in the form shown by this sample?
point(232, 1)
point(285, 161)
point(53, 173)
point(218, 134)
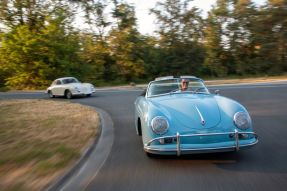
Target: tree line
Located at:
point(39, 41)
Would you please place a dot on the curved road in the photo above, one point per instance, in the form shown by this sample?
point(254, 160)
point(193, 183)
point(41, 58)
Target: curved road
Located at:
point(263, 167)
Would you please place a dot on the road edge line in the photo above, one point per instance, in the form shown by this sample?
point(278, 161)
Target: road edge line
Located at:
point(106, 135)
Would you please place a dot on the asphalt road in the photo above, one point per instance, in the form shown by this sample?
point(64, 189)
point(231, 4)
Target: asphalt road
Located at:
point(263, 167)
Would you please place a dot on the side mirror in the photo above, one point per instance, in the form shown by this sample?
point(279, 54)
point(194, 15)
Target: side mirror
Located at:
point(216, 92)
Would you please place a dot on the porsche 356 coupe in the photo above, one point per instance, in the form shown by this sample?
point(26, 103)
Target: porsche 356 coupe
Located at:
point(176, 121)
point(70, 87)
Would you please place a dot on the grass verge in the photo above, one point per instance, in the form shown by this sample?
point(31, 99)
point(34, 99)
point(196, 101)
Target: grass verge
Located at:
point(245, 80)
point(40, 139)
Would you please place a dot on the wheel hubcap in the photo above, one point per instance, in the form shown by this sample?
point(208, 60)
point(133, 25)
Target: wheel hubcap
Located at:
point(69, 95)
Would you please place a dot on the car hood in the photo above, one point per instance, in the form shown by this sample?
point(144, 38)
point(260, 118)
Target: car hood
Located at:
point(190, 110)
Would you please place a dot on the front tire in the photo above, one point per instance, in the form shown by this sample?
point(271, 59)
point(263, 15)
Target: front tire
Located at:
point(139, 127)
point(150, 155)
point(50, 93)
point(68, 94)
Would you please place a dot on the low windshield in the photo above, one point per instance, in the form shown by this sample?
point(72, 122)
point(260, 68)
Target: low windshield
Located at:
point(174, 86)
point(70, 80)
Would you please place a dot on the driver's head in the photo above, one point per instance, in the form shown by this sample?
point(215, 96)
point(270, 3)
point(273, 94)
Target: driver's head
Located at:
point(184, 84)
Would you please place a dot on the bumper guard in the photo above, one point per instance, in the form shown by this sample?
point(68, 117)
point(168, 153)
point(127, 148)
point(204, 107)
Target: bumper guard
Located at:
point(235, 134)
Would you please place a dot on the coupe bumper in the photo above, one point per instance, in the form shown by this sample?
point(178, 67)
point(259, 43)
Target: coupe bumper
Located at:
point(179, 148)
point(82, 93)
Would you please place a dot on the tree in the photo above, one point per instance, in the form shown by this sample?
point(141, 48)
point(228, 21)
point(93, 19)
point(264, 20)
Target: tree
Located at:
point(242, 37)
point(95, 47)
point(32, 57)
point(217, 59)
point(95, 54)
point(96, 18)
point(271, 36)
point(124, 42)
point(180, 37)
point(31, 13)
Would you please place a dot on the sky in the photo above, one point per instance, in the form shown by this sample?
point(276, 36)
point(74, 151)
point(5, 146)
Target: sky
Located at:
point(146, 21)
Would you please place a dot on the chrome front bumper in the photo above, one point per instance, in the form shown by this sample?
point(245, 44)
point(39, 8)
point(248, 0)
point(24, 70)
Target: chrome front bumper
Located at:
point(82, 93)
point(179, 148)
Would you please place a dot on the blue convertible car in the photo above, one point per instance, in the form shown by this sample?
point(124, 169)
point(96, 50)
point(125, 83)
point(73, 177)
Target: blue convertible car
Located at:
point(176, 121)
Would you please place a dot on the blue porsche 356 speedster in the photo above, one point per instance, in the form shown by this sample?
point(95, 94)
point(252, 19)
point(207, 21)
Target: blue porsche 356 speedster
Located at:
point(176, 121)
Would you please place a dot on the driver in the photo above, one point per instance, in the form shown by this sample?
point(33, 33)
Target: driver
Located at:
point(184, 84)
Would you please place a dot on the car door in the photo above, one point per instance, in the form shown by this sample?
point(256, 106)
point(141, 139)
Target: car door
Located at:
point(57, 89)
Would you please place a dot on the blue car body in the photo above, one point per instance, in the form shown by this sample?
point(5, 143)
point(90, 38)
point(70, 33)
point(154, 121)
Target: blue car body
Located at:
point(186, 122)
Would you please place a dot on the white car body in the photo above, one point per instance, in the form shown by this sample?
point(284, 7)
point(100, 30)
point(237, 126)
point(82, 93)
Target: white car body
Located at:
point(70, 87)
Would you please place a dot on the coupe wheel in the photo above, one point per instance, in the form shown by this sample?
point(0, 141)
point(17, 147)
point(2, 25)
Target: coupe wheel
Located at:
point(50, 93)
point(68, 94)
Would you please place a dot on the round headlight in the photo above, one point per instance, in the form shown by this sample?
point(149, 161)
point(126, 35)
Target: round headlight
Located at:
point(242, 120)
point(159, 125)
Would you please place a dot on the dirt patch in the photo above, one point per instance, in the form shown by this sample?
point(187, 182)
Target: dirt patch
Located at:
point(40, 139)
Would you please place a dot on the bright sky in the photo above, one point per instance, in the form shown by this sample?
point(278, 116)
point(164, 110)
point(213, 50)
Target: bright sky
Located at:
point(146, 21)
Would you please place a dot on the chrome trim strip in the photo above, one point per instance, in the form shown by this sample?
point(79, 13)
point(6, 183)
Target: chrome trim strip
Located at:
point(147, 148)
point(177, 92)
point(164, 78)
point(178, 144)
point(199, 134)
point(200, 115)
point(175, 78)
point(179, 150)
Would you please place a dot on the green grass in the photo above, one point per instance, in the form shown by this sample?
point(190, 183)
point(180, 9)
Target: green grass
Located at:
point(232, 77)
point(40, 139)
point(4, 89)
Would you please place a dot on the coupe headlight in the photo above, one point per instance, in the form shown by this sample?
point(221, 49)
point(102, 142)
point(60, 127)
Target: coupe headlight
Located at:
point(159, 125)
point(242, 120)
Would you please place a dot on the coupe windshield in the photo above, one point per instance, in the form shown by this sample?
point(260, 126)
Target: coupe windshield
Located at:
point(175, 86)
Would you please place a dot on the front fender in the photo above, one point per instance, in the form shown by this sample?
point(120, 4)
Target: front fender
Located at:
point(228, 108)
point(150, 111)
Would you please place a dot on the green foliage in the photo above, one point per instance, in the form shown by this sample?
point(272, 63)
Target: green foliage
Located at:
point(39, 44)
point(18, 59)
point(216, 56)
point(32, 58)
point(180, 38)
point(271, 39)
point(125, 43)
point(99, 63)
point(242, 39)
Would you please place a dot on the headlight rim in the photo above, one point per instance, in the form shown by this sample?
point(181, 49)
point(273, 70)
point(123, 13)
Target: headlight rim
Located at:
point(166, 129)
point(247, 117)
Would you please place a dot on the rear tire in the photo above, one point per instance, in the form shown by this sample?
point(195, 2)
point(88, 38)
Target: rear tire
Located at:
point(50, 93)
point(68, 94)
